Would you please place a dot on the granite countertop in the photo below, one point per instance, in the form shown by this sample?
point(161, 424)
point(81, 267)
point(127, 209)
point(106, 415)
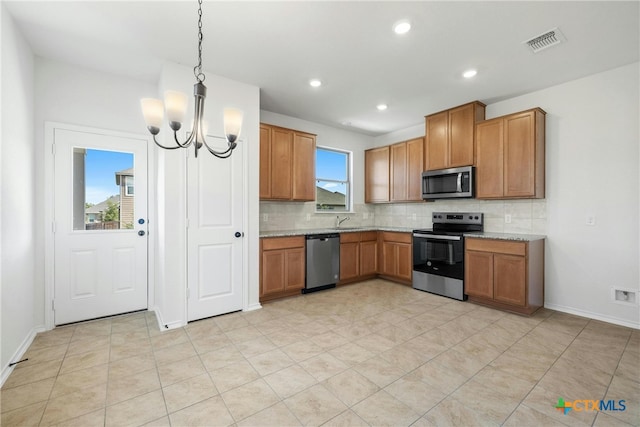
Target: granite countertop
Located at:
point(507, 236)
point(304, 232)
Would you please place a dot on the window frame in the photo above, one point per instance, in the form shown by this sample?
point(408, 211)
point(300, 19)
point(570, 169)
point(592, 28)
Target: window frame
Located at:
point(126, 185)
point(348, 183)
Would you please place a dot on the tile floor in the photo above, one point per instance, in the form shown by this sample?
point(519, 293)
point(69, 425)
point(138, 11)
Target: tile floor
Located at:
point(374, 353)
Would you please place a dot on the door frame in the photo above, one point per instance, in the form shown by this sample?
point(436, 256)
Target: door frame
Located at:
point(49, 217)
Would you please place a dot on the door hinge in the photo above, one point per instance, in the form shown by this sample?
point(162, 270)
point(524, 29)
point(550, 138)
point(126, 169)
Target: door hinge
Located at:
point(53, 148)
point(53, 305)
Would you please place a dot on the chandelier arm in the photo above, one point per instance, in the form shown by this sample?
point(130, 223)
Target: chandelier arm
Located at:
point(221, 154)
point(162, 146)
point(186, 144)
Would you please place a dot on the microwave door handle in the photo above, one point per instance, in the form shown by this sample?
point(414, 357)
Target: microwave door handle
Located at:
point(459, 183)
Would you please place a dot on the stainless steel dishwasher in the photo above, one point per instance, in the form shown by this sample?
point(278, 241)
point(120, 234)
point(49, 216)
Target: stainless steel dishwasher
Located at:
point(323, 261)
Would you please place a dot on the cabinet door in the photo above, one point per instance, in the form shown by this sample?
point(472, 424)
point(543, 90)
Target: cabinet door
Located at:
point(388, 259)
point(265, 162)
point(404, 261)
point(509, 279)
point(376, 175)
point(478, 274)
point(295, 268)
point(462, 122)
point(519, 155)
point(281, 157)
point(437, 141)
point(415, 156)
point(273, 272)
point(489, 160)
point(368, 258)
point(349, 260)
point(304, 171)
point(398, 172)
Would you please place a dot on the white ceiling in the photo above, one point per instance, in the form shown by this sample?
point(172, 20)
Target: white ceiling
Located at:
point(279, 46)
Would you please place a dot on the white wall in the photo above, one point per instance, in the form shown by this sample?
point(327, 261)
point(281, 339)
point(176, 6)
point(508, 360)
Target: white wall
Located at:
point(592, 161)
point(20, 317)
point(171, 265)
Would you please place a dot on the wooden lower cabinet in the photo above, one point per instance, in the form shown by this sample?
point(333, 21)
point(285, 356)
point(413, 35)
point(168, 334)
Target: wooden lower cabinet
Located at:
point(395, 258)
point(505, 274)
point(358, 256)
point(282, 266)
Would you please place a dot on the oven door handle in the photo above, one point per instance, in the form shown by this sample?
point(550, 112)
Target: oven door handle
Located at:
point(436, 236)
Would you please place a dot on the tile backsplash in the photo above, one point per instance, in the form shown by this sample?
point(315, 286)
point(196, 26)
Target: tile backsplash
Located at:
point(527, 216)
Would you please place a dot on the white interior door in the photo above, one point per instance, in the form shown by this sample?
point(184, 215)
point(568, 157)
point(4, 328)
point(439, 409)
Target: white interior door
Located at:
point(100, 225)
point(215, 204)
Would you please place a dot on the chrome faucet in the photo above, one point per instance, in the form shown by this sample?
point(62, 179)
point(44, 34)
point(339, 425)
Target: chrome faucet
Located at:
point(340, 221)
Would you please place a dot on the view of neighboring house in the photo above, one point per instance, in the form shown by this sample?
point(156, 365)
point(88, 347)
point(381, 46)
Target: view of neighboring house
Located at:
point(329, 200)
point(95, 214)
point(124, 179)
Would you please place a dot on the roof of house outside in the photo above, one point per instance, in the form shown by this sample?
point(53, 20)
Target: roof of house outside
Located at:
point(124, 172)
point(102, 206)
point(330, 198)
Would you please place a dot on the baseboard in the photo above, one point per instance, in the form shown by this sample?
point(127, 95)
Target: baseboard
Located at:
point(252, 307)
point(162, 325)
point(590, 315)
point(6, 370)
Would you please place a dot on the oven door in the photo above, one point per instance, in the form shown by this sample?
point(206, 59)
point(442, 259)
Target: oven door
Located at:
point(439, 254)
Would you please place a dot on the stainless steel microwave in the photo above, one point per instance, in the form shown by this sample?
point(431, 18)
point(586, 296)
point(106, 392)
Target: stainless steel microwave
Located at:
point(448, 183)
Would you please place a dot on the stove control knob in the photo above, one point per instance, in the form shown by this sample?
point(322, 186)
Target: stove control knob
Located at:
point(470, 216)
point(477, 217)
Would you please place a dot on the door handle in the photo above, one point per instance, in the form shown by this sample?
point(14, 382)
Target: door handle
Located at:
point(239, 234)
point(141, 233)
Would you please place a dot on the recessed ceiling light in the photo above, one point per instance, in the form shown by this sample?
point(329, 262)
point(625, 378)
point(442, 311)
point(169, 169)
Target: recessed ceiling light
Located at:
point(402, 27)
point(469, 73)
point(315, 83)
point(381, 107)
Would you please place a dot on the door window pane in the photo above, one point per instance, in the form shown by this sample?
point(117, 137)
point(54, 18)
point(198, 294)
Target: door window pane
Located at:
point(103, 189)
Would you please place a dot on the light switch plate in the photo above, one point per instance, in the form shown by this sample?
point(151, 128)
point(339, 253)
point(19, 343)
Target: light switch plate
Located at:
point(507, 219)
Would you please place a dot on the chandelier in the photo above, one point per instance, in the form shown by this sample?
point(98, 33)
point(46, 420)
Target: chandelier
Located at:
point(175, 104)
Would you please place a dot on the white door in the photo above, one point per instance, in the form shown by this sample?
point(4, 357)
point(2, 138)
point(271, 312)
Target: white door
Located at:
point(215, 236)
point(100, 225)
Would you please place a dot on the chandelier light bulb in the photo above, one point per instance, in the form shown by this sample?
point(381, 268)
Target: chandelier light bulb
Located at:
point(153, 112)
point(175, 104)
point(232, 123)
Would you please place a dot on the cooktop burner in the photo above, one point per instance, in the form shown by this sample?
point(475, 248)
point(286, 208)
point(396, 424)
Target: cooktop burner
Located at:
point(455, 223)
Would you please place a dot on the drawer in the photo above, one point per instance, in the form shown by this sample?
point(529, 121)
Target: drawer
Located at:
point(349, 237)
point(497, 246)
point(390, 236)
point(368, 236)
point(272, 243)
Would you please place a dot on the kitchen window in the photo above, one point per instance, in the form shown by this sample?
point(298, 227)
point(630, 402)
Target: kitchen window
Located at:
point(333, 180)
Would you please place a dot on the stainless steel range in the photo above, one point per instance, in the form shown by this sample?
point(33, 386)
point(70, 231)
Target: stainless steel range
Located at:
point(438, 254)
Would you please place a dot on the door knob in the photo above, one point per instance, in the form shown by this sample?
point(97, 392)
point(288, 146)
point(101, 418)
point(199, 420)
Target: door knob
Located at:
point(239, 234)
point(141, 221)
point(141, 233)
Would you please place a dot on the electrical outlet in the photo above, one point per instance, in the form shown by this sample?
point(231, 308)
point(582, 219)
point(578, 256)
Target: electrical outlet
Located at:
point(365, 215)
point(308, 217)
point(590, 220)
point(265, 217)
point(624, 296)
point(507, 219)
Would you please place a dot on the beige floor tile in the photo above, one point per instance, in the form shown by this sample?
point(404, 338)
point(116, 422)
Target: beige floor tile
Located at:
point(350, 387)
point(574, 382)
point(380, 371)
point(315, 405)
point(92, 329)
point(477, 350)
point(249, 399)
point(243, 334)
point(74, 405)
point(624, 389)
point(131, 337)
point(544, 401)
point(440, 377)
point(139, 324)
point(44, 354)
point(302, 350)
point(231, 321)
point(346, 419)
point(450, 412)
point(25, 395)
point(270, 362)
point(606, 420)
point(323, 366)
point(290, 381)
point(185, 393)
point(129, 386)
point(79, 380)
point(255, 347)
point(130, 349)
point(222, 357)
point(95, 344)
point(382, 409)
point(234, 375)
point(131, 365)
point(202, 328)
point(169, 338)
point(92, 419)
point(629, 366)
point(84, 360)
point(351, 353)
point(211, 412)
point(532, 370)
point(285, 337)
point(504, 383)
point(329, 340)
point(483, 399)
point(29, 415)
point(32, 373)
point(524, 416)
point(137, 411)
point(181, 370)
point(277, 415)
point(174, 353)
point(160, 422)
point(454, 361)
point(211, 343)
point(403, 358)
point(415, 393)
point(56, 337)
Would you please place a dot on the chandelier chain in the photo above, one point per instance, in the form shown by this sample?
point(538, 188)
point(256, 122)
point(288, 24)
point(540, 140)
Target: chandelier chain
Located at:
point(197, 70)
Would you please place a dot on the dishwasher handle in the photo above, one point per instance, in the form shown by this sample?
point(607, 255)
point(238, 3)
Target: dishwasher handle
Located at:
point(322, 237)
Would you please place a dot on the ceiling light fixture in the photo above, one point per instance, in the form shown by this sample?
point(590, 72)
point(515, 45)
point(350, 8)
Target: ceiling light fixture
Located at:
point(381, 107)
point(402, 27)
point(315, 83)
point(175, 104)
point(469, 73)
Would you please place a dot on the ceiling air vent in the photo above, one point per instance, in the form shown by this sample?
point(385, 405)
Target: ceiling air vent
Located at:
point(545, 40)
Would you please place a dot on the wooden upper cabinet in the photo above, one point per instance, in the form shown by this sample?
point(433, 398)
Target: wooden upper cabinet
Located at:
point(376, 175)
point(415, 167)
point(510, 156)
point(450, 136)
point(304, 168)
point(287, 164)
point(398, 172)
